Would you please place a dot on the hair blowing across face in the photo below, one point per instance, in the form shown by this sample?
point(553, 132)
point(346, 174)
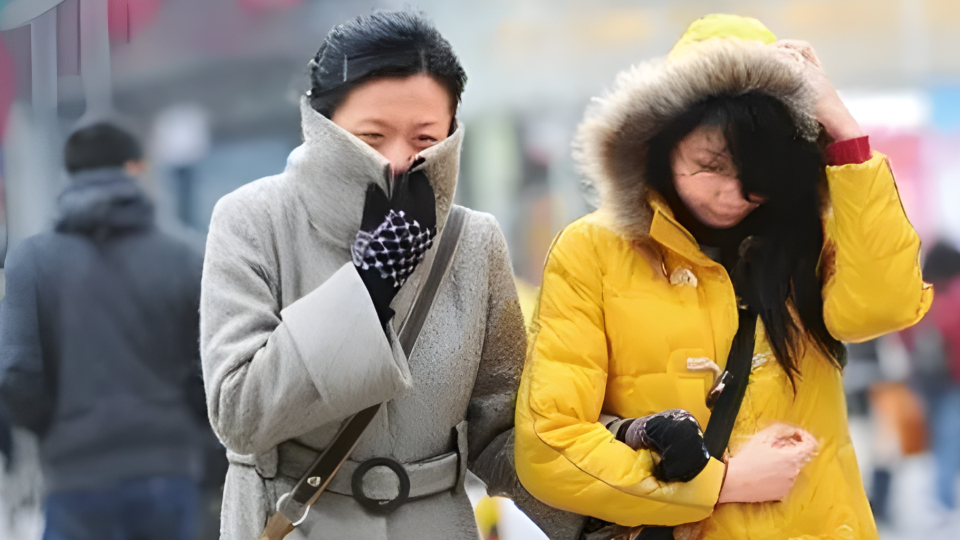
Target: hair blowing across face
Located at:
point(382, 44)
point(778, 268)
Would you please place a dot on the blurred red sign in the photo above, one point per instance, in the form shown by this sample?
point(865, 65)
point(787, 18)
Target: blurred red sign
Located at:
point(8, 86)
point(258, 6)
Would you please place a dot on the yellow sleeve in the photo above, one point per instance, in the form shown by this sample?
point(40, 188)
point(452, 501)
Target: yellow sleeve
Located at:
point(870, 262)
point(564, 456)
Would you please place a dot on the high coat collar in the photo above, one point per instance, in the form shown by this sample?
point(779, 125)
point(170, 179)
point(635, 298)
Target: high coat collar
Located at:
point(333, 169)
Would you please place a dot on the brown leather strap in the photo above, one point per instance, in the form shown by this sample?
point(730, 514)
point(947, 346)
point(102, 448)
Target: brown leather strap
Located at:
point(278, 527)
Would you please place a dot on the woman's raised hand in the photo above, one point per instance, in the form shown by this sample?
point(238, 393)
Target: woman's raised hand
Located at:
point(395, 234)
point(830, 110)
point(767, 466)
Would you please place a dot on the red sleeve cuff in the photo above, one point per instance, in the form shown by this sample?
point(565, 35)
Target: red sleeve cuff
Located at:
point(848, 152)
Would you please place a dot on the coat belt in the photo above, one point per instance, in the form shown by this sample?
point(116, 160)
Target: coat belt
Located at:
point(427, 477)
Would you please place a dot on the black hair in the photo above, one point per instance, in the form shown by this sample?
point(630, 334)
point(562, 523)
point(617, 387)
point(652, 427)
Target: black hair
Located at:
point(99, 146)
point(382, 44)
point(942, 263)
point(775, 271)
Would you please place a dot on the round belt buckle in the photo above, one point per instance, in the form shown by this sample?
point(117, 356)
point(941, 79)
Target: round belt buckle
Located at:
point(373, 505)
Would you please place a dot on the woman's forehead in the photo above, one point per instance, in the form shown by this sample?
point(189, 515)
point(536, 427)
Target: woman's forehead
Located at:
point(704, 141)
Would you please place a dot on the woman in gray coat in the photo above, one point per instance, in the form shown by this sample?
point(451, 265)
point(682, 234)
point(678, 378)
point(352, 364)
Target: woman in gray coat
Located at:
point(310, 274)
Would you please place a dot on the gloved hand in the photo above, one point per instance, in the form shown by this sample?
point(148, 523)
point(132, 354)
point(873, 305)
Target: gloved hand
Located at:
point(395, 234)
point(676, 436)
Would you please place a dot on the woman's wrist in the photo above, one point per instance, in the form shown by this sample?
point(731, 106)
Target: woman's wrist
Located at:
point(836, 119)
point(723, 481)
point(850, 151)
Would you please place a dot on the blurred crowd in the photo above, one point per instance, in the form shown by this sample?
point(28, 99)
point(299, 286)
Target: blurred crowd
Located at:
point(904, 390)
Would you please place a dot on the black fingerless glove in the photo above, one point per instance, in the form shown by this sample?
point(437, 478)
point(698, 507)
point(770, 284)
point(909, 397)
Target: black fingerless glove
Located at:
point(395, 234)
point(675, 435)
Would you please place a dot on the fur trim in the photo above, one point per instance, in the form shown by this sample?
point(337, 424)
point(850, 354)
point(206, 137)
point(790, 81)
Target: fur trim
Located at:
point(611, 143)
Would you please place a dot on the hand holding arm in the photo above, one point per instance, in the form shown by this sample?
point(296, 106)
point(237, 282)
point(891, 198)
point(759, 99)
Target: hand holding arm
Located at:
point(766, 468)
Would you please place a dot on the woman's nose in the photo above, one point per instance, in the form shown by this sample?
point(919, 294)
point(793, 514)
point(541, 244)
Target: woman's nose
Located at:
point(400, 156)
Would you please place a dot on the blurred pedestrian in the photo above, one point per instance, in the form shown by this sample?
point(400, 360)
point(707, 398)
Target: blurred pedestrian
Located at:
point(934, 348)
point(99, 354)
point(309, 277)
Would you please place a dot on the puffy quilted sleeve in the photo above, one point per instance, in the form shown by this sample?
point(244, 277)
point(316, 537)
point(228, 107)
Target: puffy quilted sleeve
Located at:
point(870, 262)
point(564, 456)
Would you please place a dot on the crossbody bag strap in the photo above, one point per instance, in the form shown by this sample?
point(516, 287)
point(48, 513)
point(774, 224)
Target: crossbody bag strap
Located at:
point(739, 363)
point(720, 426)
point(446, 249)
point(293, 507)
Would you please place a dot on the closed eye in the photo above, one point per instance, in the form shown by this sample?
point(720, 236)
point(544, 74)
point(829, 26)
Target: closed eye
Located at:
point(426, 141)
point(717, 168)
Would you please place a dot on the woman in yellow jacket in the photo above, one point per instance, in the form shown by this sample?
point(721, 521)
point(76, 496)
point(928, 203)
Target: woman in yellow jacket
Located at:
point(715, 194)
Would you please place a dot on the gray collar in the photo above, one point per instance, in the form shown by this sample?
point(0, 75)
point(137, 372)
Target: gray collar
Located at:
point(332, 169)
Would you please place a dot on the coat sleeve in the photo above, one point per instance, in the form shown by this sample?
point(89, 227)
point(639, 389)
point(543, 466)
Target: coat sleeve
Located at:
point(504, 347)
point(26, 379)
point(274, 374)
point(870, 263)
point(564, 456)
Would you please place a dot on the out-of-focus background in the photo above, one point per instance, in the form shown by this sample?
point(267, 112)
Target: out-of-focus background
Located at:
point(211, 87)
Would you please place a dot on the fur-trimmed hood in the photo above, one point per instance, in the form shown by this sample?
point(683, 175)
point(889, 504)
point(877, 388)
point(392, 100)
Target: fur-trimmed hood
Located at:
point(611, 143)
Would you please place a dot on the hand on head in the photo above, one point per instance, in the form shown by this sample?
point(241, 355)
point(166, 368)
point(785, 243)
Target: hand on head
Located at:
point(829, 109)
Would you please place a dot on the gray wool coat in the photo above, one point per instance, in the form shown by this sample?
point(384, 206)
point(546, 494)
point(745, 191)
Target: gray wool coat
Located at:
point(291, 344)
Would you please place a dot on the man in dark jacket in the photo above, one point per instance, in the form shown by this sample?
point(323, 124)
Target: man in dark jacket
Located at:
point(99, 354)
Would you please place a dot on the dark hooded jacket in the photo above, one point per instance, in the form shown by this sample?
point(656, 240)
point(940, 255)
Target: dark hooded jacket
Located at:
point(99, 340)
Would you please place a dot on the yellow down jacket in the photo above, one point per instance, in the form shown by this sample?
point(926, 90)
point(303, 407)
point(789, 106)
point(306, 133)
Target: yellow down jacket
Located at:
point(630, 305)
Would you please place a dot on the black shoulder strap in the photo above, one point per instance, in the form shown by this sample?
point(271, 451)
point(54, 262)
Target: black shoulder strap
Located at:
point(446, 249)
point(739, 362)
point(725, 410)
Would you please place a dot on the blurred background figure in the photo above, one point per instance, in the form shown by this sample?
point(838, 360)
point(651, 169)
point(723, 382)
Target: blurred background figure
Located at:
point(934, 349)
point(99, 354)
point(488, 517)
